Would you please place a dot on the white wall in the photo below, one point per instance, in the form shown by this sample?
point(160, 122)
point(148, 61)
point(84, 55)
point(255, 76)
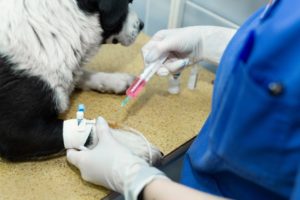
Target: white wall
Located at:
point(155, 14)
point(232, 13)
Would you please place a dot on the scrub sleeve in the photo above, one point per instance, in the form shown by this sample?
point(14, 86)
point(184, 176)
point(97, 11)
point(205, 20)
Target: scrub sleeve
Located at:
point(249, 147)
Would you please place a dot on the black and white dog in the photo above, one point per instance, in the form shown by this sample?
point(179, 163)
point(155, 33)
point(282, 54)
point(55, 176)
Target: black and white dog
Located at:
point(43, 46)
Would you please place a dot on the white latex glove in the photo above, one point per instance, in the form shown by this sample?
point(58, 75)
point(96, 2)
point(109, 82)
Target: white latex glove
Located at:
point(112, 165)
point(197, 43)
point(75, 137)
point(137, 144)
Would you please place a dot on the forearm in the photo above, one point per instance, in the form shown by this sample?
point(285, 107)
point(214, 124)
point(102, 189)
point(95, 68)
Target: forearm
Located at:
point(215, 41)
point(163, 189)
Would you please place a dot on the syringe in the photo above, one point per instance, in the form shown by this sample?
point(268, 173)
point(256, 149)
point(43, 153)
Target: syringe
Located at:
point(140, 82)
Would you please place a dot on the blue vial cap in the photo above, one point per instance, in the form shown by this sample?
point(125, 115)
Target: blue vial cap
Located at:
point(81, 108)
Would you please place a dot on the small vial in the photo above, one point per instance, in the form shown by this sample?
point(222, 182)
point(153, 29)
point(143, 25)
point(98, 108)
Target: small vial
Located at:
point(192, 83)
point(174, 84)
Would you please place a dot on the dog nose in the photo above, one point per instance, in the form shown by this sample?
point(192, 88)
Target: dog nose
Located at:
point(141, 25)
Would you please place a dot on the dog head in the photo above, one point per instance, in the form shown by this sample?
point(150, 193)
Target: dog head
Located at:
point(118, 22)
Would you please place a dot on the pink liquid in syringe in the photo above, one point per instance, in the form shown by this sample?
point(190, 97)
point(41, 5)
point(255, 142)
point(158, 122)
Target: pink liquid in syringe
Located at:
point(134, 90)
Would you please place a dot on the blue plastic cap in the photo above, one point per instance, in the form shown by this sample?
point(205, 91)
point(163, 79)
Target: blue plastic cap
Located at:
point(81, 108)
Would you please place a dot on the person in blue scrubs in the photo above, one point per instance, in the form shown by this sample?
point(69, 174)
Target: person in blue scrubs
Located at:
point(249, 147)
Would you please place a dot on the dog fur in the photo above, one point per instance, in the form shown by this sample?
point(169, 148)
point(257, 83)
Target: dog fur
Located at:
point(43, 48)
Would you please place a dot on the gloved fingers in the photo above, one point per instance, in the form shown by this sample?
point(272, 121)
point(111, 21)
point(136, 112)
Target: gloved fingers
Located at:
point(157, 53)
point(102, 129)
point(169, 47)
point(74, 157)
point(163, 34)
point(177, 66)
point(159, 49)
point(152, 52)
point(162, 71)
point(159, 36)
point(172, 67)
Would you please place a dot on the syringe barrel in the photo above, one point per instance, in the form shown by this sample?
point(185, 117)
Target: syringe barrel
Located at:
point(150, 71)
point(140, 82)
point(136, 87)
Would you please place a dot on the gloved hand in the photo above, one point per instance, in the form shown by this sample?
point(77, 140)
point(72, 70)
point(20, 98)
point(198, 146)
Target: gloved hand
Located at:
point(112, 165)
point(137, 144)
point(197, 43)
point(84, 136)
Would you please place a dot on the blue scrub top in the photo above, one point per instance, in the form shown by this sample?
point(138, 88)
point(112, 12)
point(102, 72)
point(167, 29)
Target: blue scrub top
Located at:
point(249, 148)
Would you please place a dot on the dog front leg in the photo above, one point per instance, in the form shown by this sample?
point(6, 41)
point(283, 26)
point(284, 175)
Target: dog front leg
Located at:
point(105, 82)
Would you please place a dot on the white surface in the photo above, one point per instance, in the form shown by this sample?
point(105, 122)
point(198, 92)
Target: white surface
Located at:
point(159, 14)
point(176, 13)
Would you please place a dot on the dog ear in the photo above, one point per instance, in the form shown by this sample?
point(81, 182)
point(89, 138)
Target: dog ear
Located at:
point(111, 11)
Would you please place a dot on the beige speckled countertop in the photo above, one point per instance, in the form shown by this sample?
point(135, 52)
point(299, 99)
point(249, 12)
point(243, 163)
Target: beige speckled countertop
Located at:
point(167, 121)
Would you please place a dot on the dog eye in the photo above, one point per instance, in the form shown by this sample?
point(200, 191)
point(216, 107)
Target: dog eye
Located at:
point(130, 1)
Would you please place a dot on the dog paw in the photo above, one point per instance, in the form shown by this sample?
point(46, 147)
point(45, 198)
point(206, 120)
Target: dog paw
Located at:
point(120, 82)
point(110, 82)
point(138, 145)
